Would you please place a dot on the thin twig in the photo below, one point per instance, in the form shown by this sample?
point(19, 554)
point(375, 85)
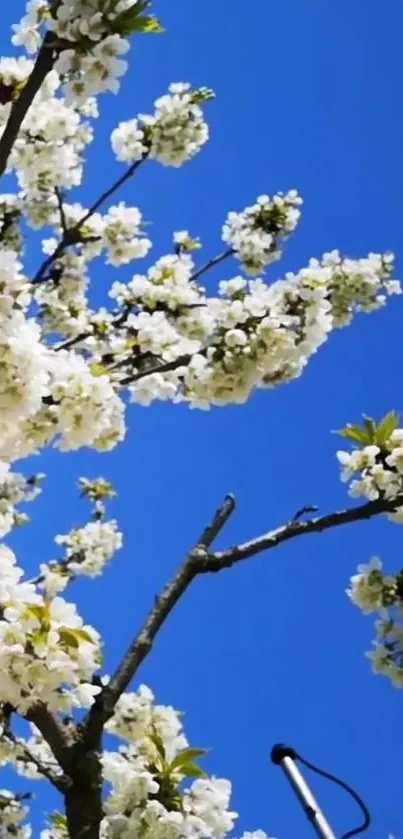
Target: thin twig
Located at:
point(109, 192)
point(310, 508)
point(49, 261)
point(70, 236)
point(211, 264)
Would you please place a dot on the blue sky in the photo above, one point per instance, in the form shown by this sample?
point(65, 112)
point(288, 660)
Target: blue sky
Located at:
point(309, 96)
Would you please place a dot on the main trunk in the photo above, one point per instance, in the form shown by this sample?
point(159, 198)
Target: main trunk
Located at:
point(84, 798)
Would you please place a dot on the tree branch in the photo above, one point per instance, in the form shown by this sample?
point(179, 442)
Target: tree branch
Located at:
point(43, 64)
point(49, 771)
point(110, 191)
point(165, 367)
point(58, 737)
point(224, 559)
point(141, 645)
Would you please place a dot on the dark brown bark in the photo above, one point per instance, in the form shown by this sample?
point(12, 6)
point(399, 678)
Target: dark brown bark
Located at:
point(83, 801)
point(43, 65)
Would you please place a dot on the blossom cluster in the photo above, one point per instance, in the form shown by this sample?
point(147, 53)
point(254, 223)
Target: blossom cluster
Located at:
point(172, 135)
point(87, 550)
point(15, 489)
point(12, 813)
point(254, 233)
point(376, 470)
point(49, 150)
point(47, 654)
point(88, 37)
point(373, 591)
point(251, 335)
point(149, 778)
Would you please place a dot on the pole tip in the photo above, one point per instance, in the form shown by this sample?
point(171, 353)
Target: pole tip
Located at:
point(280, 751)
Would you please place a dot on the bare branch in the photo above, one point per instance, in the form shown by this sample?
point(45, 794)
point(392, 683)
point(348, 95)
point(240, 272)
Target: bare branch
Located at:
point(43, 65)
point(141, 645)
point(217, 523)
point(224, 559)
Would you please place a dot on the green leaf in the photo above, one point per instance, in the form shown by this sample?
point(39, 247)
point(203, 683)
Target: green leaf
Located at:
point(59, 822)
point(43, 14)
point(98, 369)
point(148, 23)
point(370, 427)
point(353, 432)
point(71, 637)
point(158, 743)
point(132, 20)
point(40, 613)
point(386, 427)
point(202, 94)
point(40, 637)
point(192, 770)
point(186, 756)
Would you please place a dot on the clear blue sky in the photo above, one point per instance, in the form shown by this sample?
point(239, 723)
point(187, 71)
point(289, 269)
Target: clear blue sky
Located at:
point(309, 96)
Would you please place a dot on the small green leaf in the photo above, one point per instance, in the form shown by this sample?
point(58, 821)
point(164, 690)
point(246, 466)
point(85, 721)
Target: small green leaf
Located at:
point(59, 822)
point(386, 427)
point(40, 637)
point(43, 14)
point(71, 637)
point(354, 433)
point(370, 428)
point(97, 369)
point(202, 94)
point(148, 23)
point(40, 613)
point(158, 743)
point(186, 756)
point(132, 20)
point(192, 770)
